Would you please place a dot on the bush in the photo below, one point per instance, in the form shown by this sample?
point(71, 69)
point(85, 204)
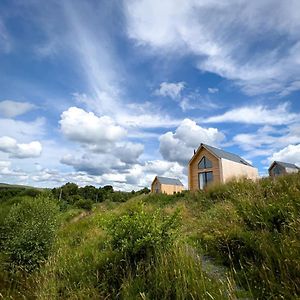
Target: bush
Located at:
point(139, 234)
point(84, 204)
point(28, 232)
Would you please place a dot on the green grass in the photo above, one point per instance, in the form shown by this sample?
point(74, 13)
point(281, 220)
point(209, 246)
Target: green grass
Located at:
point(235, 241)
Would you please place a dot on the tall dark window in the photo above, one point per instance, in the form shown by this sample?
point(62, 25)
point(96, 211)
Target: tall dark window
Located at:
point(204, 163)
point(204, 179)
point(276, 170)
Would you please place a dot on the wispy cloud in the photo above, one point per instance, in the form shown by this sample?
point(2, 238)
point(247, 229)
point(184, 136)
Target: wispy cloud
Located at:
point(259, 114)
point(224, 36)
point(213, 90)
point(9, 108)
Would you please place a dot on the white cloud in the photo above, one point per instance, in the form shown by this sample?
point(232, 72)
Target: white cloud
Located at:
point(128, 152)
point(143, 175)
point(21, 130)
point(224, 35)
point(136, 115)
point(94, 164)
point(257, 115)
point(10, 109)
point(20, 150)
point(179, 146)
point(196, 101)
point(170, 89)
point(267, 139)
point(290, 154)
point(85, 127)
point(213, 90)
point(5, 167)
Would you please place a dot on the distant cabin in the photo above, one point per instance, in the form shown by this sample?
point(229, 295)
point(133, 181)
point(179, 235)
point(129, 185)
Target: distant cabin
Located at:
point(281, 168)
point(212, 165)
point(166, 185)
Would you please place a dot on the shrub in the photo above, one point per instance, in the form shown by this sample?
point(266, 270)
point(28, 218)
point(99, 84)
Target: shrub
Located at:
point(84, 204)
point(28, 233)
point(138, 234)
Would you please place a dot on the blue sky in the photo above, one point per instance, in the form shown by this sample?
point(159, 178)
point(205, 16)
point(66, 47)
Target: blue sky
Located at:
point(116, 92)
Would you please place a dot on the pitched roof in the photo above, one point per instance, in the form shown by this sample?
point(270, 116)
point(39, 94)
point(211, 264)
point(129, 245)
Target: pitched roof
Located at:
point(166, 180)
point(226, 155)
point(286, 165)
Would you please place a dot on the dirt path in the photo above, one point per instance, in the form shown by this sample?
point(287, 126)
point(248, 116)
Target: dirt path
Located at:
point(82, 215)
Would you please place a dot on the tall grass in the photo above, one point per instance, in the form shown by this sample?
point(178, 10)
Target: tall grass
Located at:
point(254, 229)
point(134, 259)
point(139, 250)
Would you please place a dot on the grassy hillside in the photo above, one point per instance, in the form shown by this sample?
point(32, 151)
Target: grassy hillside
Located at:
point(235, 241)
point(6, 185)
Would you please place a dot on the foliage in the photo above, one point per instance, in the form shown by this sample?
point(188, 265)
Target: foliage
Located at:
point(70, 193)
point(176, 274)
point(139, 234)
point(84, 204)
point(255, 231)
point(28, 232)
point(131, 247)
point(8, 192)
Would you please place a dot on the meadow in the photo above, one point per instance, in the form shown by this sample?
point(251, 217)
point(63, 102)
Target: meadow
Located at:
point(240, 240)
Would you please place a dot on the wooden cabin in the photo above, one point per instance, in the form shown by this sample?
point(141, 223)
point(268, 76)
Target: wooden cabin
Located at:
point(278, 168)
point(211, 165)
point(166, 185)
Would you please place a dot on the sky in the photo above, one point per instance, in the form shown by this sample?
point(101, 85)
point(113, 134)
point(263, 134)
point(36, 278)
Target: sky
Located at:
point(116, 92)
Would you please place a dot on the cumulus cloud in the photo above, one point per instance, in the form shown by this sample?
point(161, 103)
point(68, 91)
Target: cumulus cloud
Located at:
point(179, 146)
point(290, 154)
point(129, 152)
point(94, 164)
point(170, 89)
point(257, 115)
point(100, 135)
point(143, 175)
point(85, 127)
point(10, 109)
point(20, 150)
point(223, 36)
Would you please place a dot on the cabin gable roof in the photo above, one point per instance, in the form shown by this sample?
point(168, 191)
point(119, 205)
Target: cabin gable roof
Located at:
point(168, 181)
point(284, 165)
point(219, 153)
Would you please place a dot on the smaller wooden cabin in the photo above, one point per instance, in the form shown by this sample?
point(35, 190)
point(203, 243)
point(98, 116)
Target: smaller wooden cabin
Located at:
point(278, 168)
point(211, 165)
point(166, 185)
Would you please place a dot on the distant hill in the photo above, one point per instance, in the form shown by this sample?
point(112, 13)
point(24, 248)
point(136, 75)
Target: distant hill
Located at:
point(6, 185)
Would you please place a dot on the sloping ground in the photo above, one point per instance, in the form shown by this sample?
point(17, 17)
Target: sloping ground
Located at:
point(6, 185)
point(236, 241)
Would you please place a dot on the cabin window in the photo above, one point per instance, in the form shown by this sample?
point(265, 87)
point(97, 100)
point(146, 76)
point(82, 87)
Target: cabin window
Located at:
point(204, 179)
point(276, 170)
point(204, 163)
